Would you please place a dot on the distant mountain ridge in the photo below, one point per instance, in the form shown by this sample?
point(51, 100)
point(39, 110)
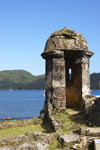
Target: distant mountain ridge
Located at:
point(20, 79)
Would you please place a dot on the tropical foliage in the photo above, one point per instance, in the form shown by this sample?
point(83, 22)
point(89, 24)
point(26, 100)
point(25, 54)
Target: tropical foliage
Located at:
point(20, 79)
point(95, 81)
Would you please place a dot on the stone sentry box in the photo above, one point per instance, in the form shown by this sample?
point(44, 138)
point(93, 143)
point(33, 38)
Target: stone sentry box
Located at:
point(67, 70)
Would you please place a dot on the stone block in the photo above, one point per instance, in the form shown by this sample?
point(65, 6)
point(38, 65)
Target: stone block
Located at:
point(90, 131)
point(69, 138)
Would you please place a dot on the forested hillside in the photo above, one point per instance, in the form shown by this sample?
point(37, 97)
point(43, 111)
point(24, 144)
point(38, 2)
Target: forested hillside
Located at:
point(95, 81)
point(20, 79)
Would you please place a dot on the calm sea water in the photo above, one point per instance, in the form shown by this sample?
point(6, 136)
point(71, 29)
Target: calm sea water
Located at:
point(20, 104)
point(95, 92)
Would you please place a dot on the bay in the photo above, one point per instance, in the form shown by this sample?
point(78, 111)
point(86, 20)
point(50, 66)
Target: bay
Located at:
point(20, 104)
point(95, 92)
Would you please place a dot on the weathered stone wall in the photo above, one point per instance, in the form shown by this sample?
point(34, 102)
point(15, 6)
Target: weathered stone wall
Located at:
point(58, 83)
point(85, 77)
point(55, 83)
point(95, 110)
point(48, 85)
point(62, 93)
point(92, 108)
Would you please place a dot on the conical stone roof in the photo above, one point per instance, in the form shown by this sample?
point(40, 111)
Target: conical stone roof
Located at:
point(65, 39)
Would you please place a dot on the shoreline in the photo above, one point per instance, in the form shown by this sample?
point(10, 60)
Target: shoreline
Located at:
point(12, 119)
point(19, 123)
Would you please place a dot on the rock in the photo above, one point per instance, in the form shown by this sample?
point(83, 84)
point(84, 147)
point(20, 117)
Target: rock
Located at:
point(36, 133)
point(92, 108)
point(90, 131)
point(24, 121)
point(56, 124)
point(82, 130)
point(83, 141)
point(42, 146)
point(37, 120)
point(3, 118)
point(76, 146)
point(13, 140)
point(43, 137)
point(26, 142)
point(69, 138)
point(42, 115)
point(25, 146)
point(12, 125)
point(29, 121)
point(90, 140)
point(81, 145)
point(8, 118)
point(5, 148)
point(0, 126)
point(66, 149)
point(30, 135)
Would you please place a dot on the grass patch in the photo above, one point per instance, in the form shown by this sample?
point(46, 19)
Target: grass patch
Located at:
point(71, 121)
point(71, 124)
point(55, 144)
point(15, 131)
point(10, 132)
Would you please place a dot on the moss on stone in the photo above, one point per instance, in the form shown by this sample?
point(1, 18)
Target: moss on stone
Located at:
point(64, 31)
point(64, 42)
point(57, 39)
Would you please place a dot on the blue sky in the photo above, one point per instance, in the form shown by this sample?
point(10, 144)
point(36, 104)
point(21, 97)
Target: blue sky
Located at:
point(25, 26)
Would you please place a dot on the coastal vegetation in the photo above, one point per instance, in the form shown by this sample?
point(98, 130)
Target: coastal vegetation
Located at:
point(21, 79)
point(95, 81)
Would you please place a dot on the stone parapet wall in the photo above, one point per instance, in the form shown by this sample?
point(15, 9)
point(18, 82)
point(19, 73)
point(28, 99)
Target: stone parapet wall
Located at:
point(92, 108)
